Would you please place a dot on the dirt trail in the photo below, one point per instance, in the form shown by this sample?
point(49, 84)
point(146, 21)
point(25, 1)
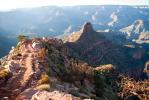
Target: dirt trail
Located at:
point(28, 65)
point(20, 80)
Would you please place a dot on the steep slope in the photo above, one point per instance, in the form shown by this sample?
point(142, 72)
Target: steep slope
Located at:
point(114, 18)
point(93, 47)
point(133, 90)
point(137, 28)
point(43, 69)
point(54, 21)
point(97, 48)
point(7, 41)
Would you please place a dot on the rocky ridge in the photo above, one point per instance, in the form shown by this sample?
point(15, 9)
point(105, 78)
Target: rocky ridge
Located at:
point(96, 48)
point(42, 69)
point(45, 68)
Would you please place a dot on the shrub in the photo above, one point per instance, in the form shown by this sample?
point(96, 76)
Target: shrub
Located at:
point(22, 38)
point(42, 53)
point(105, 69)
point(99, 83)
point(4, 73)
point(44, 79)
point(45, 87)
point(17, 49)
point(83, 90)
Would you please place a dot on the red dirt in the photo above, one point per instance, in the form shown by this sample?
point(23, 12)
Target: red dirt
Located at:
point(19, 81)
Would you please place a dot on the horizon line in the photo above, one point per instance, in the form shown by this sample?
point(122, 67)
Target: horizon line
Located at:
point(19, 8)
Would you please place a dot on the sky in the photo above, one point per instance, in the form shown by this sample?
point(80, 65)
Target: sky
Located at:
point(13, 4)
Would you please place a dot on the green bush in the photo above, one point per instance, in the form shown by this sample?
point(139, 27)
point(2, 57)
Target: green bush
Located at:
point(22, 38)
point(99, 83)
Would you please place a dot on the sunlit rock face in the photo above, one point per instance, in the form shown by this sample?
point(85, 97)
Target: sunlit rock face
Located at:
point(146, 69)
point(55, 95)
point(33, 94)
point(37, 45)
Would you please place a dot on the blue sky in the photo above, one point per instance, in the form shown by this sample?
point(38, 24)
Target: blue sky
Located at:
point(13, 4)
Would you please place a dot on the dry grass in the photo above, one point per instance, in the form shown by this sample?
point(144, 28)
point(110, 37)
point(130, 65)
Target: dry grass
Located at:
point(44, 79)
point(80, 68)
point(42, 53)
point(107, 67)
point(4, 73)
point(132, 87)
point(45, 87)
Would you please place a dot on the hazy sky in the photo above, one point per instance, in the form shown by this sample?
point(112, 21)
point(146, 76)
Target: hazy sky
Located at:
point(13, 4)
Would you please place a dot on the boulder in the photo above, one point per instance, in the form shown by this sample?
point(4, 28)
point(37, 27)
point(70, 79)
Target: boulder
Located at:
point(12, 49)
point(132, 97)
point(55, 95)
point(108, 67)
point(33, 94)
point(13, 67)
point(37, 45)
point(27, 94)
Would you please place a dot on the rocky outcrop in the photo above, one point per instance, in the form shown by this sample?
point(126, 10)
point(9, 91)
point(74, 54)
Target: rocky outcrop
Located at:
point(94, 48)
point(146, 69)
point(27, 94)
point(136, 30)
point(55, 95)
point(43, 69)
point(12, 66)
point(27, 65)
point(97, 49)
point(74, 37)
point(46, 71)
point(33, 94)
point(87, 28)
point(37, 45)
point(45, 65)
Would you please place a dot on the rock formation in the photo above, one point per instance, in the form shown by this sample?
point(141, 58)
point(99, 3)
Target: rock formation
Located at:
point(87, 28)
point(43, 69)
point(97, 49)
point(85, 67)
point(93, 47)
